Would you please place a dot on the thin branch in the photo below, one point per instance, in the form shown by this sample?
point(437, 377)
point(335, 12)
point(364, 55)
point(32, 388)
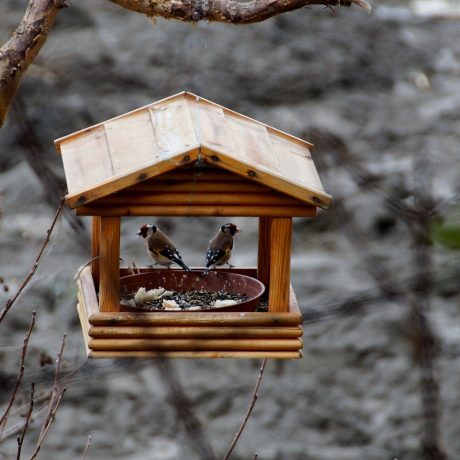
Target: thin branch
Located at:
point(55, 399)
point(230, 11)
point(184, 410)
point(20, 438)
point(27, 40)
point(10, 302)
point(35, 155)
point(4, 417)
point(48, 425)
point(21, 49)
point(248, 413)
point(75, 278)
point(88, 445)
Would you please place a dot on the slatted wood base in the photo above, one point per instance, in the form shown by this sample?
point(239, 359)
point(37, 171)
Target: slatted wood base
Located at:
point(187, 334)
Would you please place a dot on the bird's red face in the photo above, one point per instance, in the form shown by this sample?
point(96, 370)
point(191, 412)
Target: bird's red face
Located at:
point(230, 228)
point(144, 230)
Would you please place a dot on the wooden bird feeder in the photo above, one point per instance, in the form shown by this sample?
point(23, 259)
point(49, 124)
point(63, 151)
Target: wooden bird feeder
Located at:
point(186, 156)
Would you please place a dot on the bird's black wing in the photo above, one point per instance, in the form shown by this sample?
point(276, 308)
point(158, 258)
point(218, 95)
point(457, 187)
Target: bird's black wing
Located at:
point(213, 256)
point(174, 256)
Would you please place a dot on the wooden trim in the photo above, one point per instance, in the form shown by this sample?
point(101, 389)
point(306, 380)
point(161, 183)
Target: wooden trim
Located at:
point(196, 175)
point(263, 254)
point(280, 264)
point(243, 211)
point(195, 344)
point(87, 289)
point(215, 199)
point(193, 185)
point(109, 286)
point(253, 171)
point(197, 354)
point(230, 319)
point(111, 332)
point(95, 237)
point(84, 326)
point(120, 182)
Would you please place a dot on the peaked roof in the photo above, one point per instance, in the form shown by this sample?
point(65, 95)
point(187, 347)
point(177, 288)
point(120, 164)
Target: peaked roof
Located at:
point(178, 131)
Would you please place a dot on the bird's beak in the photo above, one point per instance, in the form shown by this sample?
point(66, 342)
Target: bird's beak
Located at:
point(238, 229)
point(139, 233)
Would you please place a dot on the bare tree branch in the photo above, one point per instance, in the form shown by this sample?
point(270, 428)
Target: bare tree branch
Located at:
point(88, 445)
point(231, 11)
point(55, 400)
point(184, 410)
point(20, 438)
point(23, 46)
point(10, 302)
point(21, 49)
point(4, 417)
point(34, 153)
point(248, 412)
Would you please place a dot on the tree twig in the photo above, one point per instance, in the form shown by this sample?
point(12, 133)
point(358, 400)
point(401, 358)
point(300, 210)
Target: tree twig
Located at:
point(248, 412)
point(55, 399)
point(21, 49)
point(184, 410)
point(4, 417)
point(88, 445)
point(21, 437)
point(10, 302)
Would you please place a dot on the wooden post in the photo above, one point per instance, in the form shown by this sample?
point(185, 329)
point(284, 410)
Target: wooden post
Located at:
point(109, 258)
point(263, 255)
point(280, 263)
point(95, 237)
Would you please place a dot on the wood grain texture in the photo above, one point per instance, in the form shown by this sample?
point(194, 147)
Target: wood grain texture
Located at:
point(203, 332)
point(84, 326)
point(194, 344)
point(271, 178)
point(109, 286)
point(181, 319)
point(174, 132)
point(263, 254)
point(217, 198)
point(198, 210)
point(95, 246)
point(280, 264)
point(122, 181)
point(197, 354)
point(197, 185)
point(87, 290)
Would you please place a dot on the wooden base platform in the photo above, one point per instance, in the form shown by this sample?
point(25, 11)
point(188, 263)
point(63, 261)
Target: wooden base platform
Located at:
point(192, 334)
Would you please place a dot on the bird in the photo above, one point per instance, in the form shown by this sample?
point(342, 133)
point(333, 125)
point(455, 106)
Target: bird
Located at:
point(221, 246)
point(160, 248)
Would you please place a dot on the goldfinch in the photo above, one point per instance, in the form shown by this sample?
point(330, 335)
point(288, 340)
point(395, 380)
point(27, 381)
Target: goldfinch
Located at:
point(160, 248)
point(221, 246)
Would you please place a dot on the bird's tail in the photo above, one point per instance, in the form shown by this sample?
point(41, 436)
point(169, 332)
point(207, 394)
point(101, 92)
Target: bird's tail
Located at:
point(179, 262)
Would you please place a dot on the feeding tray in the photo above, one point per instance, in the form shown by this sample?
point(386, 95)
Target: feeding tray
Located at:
point(186, 334)
point(214, 281)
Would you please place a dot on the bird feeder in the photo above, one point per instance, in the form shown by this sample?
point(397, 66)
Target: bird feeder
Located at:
point(187, 156)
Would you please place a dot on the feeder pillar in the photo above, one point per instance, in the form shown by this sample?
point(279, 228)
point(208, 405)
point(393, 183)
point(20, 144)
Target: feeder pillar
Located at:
point(263, 255)
point(95, 247)
point(280, 263)
point(109, 266)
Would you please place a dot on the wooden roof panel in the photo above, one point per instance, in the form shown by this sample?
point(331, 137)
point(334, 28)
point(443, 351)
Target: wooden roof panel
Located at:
point(141, 144)
point(86, 160)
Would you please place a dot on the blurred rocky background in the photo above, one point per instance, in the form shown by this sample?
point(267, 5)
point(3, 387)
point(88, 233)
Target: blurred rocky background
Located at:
point(377, 276)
